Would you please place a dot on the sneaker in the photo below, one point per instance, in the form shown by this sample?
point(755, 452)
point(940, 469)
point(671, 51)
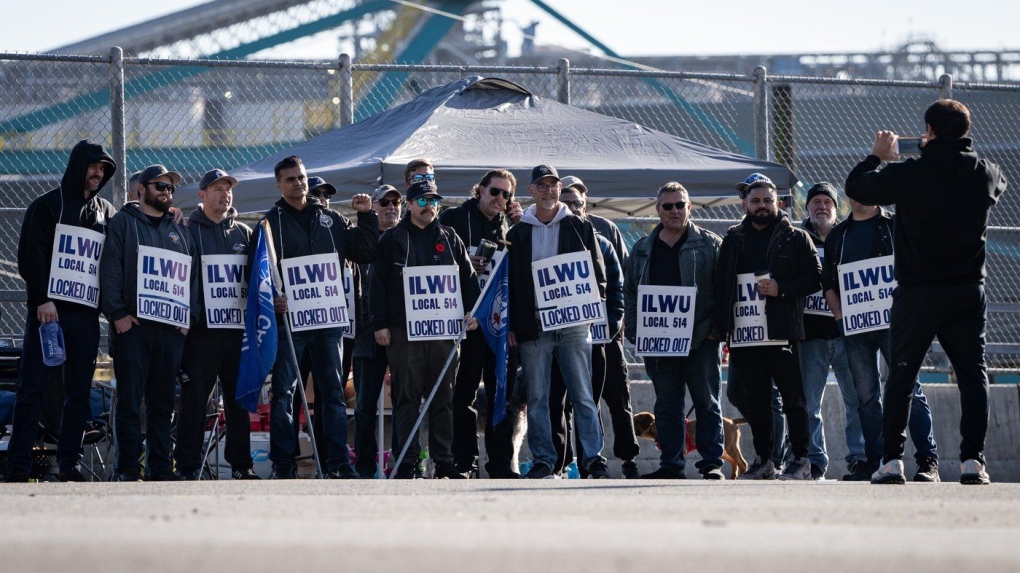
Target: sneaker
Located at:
point(712, 473)
point(817, 473)
point(539, 471)
point(281, 471)
point(72, 475)
point(342, 472)
point(405, 472)
point(630, 470)
point(127, 477)
point(167, 476)
point(246, 473)
point(797, 470)
point(972, 472)
point(890, 473)
point(502, 471)
point(16, 476)
point(927, 470)
point(665, 473)
point(861, 471)
point(760, 469)
point(598, 470)
point(448, 471)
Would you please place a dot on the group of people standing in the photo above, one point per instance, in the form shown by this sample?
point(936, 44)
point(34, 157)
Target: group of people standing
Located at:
point(771, 289)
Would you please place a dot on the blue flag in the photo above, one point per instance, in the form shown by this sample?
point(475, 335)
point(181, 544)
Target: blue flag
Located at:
point(495, 326)
point(258, 347)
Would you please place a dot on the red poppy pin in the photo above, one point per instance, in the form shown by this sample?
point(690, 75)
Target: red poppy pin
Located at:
point(440, 248)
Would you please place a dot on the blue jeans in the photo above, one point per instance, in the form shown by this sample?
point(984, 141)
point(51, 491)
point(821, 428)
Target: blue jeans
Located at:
point(324, 345)
point(699, 374)
point(572, 348)
point(815, 357)
point(862, 352)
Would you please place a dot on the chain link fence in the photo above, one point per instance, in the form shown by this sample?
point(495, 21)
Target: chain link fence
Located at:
point(196, 114)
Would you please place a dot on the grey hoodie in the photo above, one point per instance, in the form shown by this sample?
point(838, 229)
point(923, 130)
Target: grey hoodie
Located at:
point(544, 236)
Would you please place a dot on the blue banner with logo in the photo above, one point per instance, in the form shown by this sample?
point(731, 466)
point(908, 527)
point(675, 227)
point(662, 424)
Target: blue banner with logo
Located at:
point(258, 347)
point(495, 325)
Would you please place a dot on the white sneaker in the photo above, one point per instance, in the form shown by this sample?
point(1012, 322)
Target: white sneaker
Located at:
point(972, 472)
point(890, 472)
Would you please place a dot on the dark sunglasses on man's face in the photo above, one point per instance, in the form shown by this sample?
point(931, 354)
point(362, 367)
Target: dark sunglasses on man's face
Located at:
point(680, 205)
point(321, 195)
point(161, 187)
point(419, 177)
point(388, 202)
point(496, 192)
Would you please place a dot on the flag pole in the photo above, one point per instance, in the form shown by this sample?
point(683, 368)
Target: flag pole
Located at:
point(278, 284)
point(435, 387)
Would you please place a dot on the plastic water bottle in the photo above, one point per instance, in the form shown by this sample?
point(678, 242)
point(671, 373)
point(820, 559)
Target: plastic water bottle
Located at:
point(52, 338)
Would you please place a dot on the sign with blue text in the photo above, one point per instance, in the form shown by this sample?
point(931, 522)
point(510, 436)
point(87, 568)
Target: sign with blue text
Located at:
point(566, 291)
point(348, 331)
point(865, 292)
point(433, 303)
point(815, 303)
point(164, 286)
point(315, 292)
point(749, 325)
point(74, 268)
point(225, 286)
point(665, 320)
point(600, 330)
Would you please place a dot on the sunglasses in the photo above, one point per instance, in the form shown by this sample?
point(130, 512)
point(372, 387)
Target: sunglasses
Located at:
point(320, 195)
point(573, 204)
point(496, 192)
point(163, 187)
point(388, 202)
point(680, 205)
point(427, 201)
point(419, 177)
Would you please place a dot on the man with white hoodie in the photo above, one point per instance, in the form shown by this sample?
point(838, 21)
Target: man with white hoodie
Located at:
point(547, 229)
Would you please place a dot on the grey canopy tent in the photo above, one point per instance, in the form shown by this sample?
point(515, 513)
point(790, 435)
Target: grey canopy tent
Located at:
point(475, 124)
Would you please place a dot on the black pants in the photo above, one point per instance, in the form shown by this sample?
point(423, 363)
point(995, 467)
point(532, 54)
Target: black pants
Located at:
point(478, 362)
point(415, 367)
point(957, 314)
point(81, 341)
point(616, 395)
point(210, 353)
point(560, 409)
point(146, 364)
point(369, 375)
point(305, 367)
point(758, 367)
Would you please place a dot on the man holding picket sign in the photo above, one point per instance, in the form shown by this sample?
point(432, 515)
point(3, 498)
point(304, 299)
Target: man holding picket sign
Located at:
point(213, 347)
point(766, 268)
point(151, 295)
point(422, 285)
point(668, 316)
point(557, 289)
point(311, 244)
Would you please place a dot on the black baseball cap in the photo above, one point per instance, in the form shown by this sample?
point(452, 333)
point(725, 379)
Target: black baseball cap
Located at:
point(216, 175)
point(319, 184)
point(422, 188)
point(153, 171)
point(543, 171)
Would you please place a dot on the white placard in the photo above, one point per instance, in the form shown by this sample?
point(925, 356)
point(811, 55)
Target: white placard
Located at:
point(665, 320)
point(74, 268)
point(566, 291)
point(600, 330)
point(315, 292)
point(749, 325)
point(433, 302)
point(865, 293)
point(225, 290)
point(348, 331)
point(815, 303)
point(164, 286)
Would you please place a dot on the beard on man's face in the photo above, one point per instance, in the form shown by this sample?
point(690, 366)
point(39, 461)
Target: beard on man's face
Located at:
point(763, 217)
point(158, 202)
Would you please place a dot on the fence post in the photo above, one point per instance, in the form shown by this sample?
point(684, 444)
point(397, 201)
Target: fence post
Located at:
point(563, 81)
point(346, 91)
point(761, 114)
point(784, 139)
point(117, 126)
point(946, 87)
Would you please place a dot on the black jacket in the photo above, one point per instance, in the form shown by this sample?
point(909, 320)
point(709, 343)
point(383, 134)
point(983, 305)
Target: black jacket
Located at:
point(881, 246)
point(228, 237)
point(609, 230)
point(472, 226)
point(575, 234)
point(942, 202)
point(67, 205)
point(791, 260)
point(817, 326)
point(386, 285)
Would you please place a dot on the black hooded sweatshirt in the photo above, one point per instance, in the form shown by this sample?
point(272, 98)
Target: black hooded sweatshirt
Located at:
point(942, 202)
point(68, 205)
